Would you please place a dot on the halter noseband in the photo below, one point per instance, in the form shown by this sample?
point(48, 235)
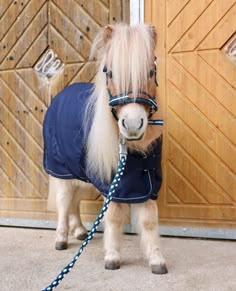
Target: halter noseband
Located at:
point(123, 98)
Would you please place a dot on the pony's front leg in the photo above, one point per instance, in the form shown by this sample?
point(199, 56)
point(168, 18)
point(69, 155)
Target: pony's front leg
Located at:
point(148, 224)
point(113, 233)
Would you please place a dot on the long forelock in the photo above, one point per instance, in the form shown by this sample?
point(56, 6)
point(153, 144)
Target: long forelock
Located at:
point(130, 57)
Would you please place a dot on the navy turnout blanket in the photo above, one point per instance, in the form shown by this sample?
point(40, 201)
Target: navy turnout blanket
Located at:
point(65, 145)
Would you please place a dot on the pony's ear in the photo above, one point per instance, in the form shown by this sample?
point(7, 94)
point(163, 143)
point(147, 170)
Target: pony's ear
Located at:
point(107, 33)
point(100, 42)
point(153, 31)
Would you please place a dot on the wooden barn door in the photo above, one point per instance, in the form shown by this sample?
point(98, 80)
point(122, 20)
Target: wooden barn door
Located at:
point(45, 45)
point(197, 91)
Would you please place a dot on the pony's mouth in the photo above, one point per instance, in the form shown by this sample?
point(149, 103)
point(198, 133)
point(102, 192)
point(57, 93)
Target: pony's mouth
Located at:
point(134, 138)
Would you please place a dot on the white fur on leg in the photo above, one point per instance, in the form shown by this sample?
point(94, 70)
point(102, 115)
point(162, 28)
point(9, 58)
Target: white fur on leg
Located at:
point(65, 196)
point(114, 219)
point(63, 208)
point(147, 217)
point(75, 225)
point(62, 190)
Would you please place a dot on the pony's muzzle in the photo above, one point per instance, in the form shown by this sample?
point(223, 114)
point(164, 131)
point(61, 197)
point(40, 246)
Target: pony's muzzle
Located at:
point(127, 125)
point(132, 129)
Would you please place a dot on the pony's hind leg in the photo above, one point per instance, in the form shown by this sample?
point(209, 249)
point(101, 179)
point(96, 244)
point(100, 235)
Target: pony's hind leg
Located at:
point(75, 225)
point(148, 226)
point(62, 191)
point(114, 219)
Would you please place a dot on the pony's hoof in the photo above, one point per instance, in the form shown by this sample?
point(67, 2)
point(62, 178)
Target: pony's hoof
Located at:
point(61, 245)
point(159, 269)
point(80, 233)
point(81, 236)
point(112, 265)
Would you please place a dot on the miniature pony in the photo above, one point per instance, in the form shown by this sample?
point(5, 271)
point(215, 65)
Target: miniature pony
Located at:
point(81, 138)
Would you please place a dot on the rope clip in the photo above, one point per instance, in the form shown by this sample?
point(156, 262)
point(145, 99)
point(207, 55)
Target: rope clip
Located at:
point(122, 148)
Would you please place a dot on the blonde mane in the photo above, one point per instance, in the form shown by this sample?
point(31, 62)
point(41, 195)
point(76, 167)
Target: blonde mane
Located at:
point(129, 53)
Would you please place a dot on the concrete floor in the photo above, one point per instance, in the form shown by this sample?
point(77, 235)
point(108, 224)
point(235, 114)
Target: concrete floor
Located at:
point(28, 261)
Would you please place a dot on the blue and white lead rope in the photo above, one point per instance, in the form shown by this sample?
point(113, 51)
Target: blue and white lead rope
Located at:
point(114, 185)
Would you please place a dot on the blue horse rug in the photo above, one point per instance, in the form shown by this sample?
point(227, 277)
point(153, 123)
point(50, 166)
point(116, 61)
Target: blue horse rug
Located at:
point(65, 150)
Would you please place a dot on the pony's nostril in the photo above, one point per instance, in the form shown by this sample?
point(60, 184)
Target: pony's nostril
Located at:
point(141, 124)
point(123, 124)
